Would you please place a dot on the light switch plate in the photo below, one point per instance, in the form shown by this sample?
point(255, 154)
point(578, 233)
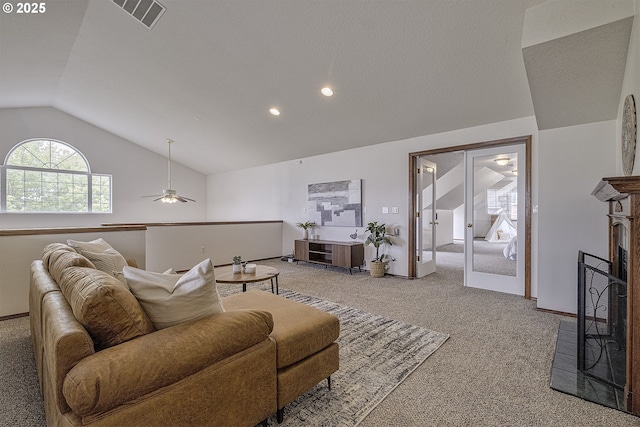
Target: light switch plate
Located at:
point(395, 210)
point(385, 209)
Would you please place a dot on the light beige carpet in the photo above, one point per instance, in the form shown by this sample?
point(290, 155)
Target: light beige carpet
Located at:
point(493, 370)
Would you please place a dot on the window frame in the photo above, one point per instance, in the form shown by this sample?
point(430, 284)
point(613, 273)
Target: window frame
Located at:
point(90, 177)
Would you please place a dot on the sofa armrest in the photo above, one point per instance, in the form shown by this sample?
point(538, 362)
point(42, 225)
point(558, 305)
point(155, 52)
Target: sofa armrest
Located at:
point(138, 367)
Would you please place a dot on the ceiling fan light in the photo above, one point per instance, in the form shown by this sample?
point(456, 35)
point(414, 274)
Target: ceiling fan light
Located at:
point(170, 195)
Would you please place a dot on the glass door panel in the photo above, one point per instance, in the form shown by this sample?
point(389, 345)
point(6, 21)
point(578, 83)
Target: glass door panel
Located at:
point(494, 219)
point(426, 218)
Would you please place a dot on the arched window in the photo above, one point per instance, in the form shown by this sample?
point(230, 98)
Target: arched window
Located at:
point(45, 175)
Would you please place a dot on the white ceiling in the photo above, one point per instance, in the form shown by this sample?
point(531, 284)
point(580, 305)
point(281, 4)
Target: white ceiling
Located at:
point(208, 72)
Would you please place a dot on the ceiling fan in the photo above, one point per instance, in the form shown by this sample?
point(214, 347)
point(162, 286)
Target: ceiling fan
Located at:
point(169, 195)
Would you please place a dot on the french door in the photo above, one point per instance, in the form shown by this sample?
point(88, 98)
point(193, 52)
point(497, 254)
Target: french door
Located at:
point(426, 217)
point(495, 218)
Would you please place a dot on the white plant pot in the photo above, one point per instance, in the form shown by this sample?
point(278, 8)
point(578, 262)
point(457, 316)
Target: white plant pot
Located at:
point(237, 268)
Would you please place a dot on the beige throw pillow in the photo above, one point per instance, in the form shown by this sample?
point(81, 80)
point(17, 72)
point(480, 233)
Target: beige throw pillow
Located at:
point(98, 245)
point(169, 299)
point(103, 256)
point(109, 261)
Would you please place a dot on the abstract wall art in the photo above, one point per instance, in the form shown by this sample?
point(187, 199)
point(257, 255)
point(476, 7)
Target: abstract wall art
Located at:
point(337, 204)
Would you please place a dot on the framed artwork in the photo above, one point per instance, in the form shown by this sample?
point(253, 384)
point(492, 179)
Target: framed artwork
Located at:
point(336, 204)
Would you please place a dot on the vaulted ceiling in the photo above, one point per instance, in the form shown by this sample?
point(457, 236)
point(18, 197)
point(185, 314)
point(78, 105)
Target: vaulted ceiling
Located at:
point(208, 72)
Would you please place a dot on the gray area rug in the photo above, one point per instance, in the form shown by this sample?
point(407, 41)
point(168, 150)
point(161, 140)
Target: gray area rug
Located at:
point(376, 355)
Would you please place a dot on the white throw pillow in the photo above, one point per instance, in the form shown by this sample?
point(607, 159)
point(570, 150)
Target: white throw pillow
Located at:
point(170, 299)
point(98, 245)
point(103, 256)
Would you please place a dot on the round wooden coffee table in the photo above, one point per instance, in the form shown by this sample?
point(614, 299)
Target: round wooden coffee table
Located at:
point(263, 273)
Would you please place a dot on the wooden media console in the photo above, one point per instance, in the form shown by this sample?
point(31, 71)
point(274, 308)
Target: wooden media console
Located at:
point(337, 254)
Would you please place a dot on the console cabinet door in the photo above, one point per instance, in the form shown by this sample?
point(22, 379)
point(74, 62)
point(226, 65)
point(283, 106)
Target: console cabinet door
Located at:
point(348, 256)
point(342, 256)
point(302, 250)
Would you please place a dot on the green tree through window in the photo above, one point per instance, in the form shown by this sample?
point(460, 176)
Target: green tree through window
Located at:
point(43, 175)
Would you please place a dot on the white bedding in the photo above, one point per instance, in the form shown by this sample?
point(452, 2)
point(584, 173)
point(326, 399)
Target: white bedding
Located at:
point(511, 250)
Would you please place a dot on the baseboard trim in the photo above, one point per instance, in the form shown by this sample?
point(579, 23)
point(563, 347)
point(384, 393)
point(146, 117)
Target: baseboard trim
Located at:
point(13, 316)
point(561, 313)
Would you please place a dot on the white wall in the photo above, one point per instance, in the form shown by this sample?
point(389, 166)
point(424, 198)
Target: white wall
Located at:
point(572, 161)
point(630, 85)
point(444, 234)
point(459, 228)
point(280, 190)
point(17, 253)
point(135, 171)
point(182, 246)
point(156, 249)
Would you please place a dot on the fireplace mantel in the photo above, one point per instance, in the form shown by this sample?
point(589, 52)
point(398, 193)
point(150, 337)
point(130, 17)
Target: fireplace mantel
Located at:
point(623, 197)
point(616, 188)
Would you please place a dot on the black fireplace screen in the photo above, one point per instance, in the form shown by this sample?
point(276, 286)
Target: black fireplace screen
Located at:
point(602, 321)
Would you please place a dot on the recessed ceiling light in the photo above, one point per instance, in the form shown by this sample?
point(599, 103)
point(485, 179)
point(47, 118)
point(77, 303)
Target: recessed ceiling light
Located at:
point(274, 111)
point(502, 161)
point(327, 91)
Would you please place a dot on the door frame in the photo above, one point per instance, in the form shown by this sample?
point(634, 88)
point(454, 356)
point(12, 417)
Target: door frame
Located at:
point(526, 140)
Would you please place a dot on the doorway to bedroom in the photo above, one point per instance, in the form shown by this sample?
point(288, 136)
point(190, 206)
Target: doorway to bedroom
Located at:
point(474, 214)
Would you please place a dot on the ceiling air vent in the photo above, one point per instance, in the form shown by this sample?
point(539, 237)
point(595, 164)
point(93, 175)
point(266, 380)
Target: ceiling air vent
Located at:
point(148, 12)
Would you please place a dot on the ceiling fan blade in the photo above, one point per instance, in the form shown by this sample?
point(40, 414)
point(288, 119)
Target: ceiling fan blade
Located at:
point(153, 195)
point(159, 198)
point(184, 199)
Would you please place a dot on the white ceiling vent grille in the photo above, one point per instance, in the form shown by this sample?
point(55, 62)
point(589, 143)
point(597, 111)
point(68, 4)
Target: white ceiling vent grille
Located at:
point(148, 12)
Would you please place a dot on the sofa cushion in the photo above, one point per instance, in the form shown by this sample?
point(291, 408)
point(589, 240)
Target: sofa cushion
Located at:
point(54, 247)
point(299, 329)
point(58, 256)
point(103, 256)
point(122, 374)
point(170, 299)
point(104, 306)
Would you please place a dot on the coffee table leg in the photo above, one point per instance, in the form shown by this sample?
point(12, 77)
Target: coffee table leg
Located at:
point(244, 287)
point(277, 289)
point(272, 285)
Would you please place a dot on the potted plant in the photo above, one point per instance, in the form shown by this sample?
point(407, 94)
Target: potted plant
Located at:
point(306, 226)
point(237, 264)
point(377, 237)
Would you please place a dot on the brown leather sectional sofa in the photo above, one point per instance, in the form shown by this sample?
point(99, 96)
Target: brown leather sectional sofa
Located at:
point(235, 368)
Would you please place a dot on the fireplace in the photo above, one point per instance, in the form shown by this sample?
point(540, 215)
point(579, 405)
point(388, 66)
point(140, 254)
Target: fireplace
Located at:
point(598, 357)
point(623, 310)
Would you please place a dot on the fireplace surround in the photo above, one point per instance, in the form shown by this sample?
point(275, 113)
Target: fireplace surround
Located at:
point(623, 197)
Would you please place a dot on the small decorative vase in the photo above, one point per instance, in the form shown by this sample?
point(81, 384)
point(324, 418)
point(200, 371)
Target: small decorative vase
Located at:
point(376, 269)
point(305, 234)
point(237, 268)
